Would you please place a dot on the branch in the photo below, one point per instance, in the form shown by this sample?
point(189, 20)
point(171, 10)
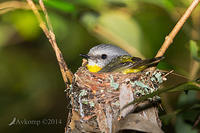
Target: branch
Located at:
point(48, 30)
point(12, 5)
point(169, 39)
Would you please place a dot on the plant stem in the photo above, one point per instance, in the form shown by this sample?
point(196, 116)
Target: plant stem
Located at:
point(169, 39)
point(48, 30)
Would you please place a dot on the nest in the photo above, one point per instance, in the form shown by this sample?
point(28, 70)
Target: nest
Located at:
point(98, 99)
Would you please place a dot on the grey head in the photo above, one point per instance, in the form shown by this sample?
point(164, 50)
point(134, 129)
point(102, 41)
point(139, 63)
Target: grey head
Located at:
point(102, 54)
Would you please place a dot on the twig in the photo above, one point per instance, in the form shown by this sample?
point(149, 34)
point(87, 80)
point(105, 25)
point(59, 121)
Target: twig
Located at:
point(12, 5)
point(197, 121)
point(169, 39)
point(48, 30)
point(46, 15)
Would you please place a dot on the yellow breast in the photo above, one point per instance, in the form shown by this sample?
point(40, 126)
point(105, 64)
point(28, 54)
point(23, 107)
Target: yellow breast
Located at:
point(93, 68)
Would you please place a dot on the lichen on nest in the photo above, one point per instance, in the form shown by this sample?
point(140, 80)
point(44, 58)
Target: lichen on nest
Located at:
point(96, 92)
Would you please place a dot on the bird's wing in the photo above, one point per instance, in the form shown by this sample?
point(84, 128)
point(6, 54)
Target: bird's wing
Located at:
point(117, 64)
point(126, 62)
point(147, 62)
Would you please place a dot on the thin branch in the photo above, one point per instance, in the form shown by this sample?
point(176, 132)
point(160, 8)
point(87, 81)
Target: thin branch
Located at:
point(197, 121)
point(46, 15)
point(169, 39)
point(13, 5)
point(48, 30)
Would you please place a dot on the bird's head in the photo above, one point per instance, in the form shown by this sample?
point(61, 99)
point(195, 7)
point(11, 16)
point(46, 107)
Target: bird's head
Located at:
point(101, 55)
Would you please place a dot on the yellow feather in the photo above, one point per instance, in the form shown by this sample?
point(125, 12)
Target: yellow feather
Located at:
point(93, 68)
point(126, 71)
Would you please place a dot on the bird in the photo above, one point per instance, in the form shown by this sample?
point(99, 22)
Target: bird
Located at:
point(104, 58)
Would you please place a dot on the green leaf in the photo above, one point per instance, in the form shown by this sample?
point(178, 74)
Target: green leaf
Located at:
point(185, 86)
point(194, 50)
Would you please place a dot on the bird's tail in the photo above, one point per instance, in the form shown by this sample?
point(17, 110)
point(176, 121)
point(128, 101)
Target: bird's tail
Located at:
point(147, 62)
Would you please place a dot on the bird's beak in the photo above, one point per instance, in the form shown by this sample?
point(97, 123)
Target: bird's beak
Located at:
point(85, 56)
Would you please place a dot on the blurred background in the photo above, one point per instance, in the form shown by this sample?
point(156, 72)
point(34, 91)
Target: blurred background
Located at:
point(31, 85)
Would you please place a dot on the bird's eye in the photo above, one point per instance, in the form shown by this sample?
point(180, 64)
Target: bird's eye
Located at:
point(103, 56)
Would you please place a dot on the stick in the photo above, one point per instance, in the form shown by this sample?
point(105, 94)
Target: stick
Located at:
point(13, 5)
point(169, 39)
point(48, 30)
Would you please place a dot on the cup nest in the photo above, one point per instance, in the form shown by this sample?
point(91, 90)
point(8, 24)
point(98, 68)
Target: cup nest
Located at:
point(98, 98)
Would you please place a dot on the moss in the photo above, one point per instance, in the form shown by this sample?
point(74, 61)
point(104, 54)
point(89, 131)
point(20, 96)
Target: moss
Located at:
point(153, 79)
point(147, 73)
point(85, 101)
point(140, 84)
point(116, 103)
point(139, 92)
point(91, 103)
point(159, 77)
point(114, 85)
point(143, 88)
point(83, 93)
